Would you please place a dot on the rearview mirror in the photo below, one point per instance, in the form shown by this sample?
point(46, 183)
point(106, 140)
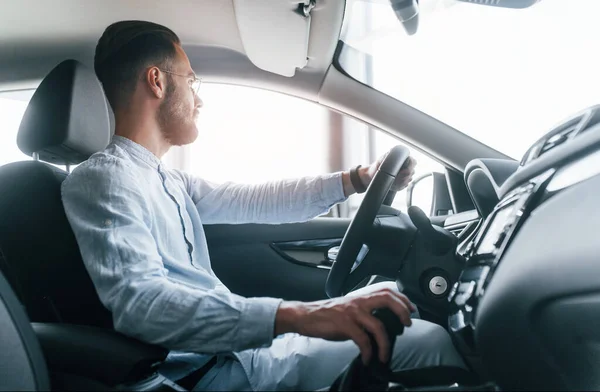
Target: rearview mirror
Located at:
point(504, 3)
point(407, 12)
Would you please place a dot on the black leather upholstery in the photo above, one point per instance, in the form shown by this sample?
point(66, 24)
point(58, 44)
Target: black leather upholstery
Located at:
point(38, 251)
point(67, 118)
point(22, 366)
point(98, 354)
point(65, 121)
point(484, 177)
point(79, 357)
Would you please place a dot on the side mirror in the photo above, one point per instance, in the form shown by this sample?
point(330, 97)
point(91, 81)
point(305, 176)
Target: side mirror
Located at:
point(430, 193)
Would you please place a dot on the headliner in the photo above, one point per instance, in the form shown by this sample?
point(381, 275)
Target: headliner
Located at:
point(38, 34)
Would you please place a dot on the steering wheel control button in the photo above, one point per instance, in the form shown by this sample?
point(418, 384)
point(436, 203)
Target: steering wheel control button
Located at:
point(438, 285)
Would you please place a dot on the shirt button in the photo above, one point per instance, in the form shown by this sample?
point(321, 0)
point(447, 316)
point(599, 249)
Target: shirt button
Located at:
point(107, 222)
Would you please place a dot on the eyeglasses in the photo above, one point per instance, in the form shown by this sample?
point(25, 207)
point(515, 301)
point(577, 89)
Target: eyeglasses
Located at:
point(193, 81)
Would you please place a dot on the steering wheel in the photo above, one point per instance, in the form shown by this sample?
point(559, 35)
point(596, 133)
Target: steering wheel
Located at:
point(343, 277)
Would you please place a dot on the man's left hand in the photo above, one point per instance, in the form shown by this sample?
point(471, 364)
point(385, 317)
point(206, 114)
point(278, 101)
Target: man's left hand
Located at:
point(404, 176)
point(366, 174)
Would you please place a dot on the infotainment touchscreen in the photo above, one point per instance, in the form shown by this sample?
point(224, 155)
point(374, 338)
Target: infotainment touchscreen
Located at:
point(492, 232)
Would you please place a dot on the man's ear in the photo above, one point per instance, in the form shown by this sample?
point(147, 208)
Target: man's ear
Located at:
point(156, 82)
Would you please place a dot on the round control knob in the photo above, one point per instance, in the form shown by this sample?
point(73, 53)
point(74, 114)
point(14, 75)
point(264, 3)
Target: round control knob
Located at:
point(438, 285)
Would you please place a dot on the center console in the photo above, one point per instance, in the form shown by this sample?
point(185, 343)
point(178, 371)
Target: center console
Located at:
point(515, 266)
point(483, 252)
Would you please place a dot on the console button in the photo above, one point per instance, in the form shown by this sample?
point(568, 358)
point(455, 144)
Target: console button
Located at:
point(501, 238)
point(482, 280)
point(471, 273)
point(464, 293)
point(452, 292)
point(469, 248)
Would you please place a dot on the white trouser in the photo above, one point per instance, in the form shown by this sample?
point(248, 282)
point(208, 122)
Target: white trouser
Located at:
point(295, 362)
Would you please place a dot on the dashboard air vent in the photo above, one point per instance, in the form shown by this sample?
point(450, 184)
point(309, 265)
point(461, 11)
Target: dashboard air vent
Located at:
point(592, 119)
point(463, 229)
point(563, 133)
point(457, 231)
point(560, 135)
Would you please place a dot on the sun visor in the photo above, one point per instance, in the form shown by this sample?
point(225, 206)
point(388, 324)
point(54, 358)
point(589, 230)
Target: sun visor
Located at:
point(275, 33)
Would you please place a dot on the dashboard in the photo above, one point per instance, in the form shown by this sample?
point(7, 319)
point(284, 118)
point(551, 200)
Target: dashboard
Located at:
point(527, 303)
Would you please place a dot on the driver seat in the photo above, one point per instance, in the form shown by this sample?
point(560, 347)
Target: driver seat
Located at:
point(65, 122)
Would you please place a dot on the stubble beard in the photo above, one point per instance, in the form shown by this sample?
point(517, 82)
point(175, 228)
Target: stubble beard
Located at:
point(174, 121)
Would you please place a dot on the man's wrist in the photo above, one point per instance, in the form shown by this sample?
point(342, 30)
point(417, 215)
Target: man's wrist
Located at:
point(286, 318)
point(356, 181)
point(365, 177)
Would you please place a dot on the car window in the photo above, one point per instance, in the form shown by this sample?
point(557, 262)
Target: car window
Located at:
point(250, 135)
point(503, 76)
point(11, 113)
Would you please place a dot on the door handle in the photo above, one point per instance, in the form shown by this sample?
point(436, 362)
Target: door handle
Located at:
point(332, 253)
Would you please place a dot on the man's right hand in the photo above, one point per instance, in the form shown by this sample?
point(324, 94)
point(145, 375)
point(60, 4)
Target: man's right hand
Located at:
point(345, 318)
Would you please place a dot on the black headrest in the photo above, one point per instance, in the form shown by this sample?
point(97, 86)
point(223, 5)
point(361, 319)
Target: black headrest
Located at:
point(66, 120)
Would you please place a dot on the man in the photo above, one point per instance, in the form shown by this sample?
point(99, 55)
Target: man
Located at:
point(139, 227)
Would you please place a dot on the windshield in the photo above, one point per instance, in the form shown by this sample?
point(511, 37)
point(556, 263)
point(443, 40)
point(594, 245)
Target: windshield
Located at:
point(502, 76)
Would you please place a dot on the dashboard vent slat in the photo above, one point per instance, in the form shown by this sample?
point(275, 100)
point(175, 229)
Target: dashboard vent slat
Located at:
point(563, 133)
point(462, 229)
point(457, 231)
point(594, 119)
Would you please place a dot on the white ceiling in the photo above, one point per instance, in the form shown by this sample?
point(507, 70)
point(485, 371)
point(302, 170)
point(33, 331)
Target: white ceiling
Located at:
point(35, 35)
point(64, 22)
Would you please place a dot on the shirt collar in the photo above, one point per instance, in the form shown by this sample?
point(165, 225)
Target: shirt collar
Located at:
point(137, 150)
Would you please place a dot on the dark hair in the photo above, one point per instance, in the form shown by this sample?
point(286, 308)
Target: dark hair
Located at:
point(125, 49)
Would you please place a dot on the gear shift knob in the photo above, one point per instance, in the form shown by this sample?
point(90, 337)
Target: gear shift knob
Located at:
point(375, 375)
point(392, 323)
point(393, 327)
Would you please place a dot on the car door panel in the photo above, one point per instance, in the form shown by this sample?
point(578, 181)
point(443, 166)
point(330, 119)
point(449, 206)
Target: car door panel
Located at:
point(281, 261)
point(289, 260)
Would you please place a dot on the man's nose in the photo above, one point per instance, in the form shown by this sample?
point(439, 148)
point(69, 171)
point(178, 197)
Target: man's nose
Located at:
point(198, 102)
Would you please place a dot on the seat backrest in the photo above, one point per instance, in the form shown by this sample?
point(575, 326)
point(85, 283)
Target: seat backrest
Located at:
point(22, 365)
point(65, 122)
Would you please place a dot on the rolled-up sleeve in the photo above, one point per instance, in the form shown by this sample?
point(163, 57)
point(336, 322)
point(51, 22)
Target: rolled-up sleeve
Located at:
point(285, 201)
point(110, 219)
